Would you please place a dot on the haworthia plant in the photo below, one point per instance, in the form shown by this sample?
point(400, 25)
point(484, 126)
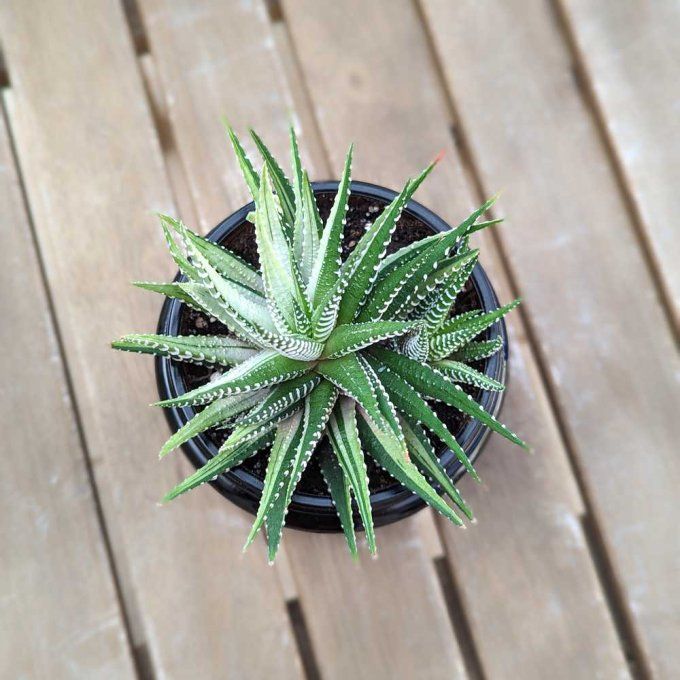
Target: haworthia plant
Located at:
point(352, 351)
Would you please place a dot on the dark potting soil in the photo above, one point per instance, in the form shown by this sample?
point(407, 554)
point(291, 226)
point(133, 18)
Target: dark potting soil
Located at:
point(362, 211)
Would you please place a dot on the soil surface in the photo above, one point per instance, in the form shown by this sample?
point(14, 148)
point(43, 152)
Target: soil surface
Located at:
point(362, 211)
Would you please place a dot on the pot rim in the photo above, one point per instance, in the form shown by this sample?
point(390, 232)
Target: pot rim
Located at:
point(306, 511)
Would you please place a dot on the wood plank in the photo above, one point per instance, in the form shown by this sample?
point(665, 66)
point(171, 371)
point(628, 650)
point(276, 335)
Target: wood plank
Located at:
point(630, 53)
point(186, 212)
point(524, 571)
point(59, 612)
point(218, 76)
point(592, 304)
point(94, 173)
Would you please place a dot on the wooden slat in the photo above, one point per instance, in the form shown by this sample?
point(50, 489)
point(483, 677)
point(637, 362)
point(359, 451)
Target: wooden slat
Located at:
point(524, 572)
point(218, 76)
point(591, 300)
point(94, 173)
point(630, 53)
point(59, 613)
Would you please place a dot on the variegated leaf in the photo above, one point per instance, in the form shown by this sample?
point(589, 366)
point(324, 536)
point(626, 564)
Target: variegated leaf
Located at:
point(434, 385)
point(196, 349)
point(349, 338)
point(403, 470)
point(327, 264)
point(266, 368)
point(344, 438)
point(214, 414)
point(222, 462)
point(339, 488)
point(457, 332)
point(462, 373)
point(317, 409)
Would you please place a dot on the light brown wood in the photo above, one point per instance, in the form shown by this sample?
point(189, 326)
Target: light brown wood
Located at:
point(524, 572)
point(94, 174)
point(59, 613)
point(630, 53)
point(592, 304)
point(325, 575)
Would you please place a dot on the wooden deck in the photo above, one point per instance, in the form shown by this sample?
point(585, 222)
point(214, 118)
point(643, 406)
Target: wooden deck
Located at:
point(112, 110)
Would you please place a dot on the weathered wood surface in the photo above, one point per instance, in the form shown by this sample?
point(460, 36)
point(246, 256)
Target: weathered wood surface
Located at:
point(630, 54)
point(535, 561)
point(100, 148)
point(592, 303)
point(59, 614)
point(216, 76)
point(94, 173)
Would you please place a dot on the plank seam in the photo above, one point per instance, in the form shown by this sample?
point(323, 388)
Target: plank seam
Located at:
point(586, 90)
point(458, 617)
point(306, 93)
point(142, 669)
point(136, 26)
point(303, 640)
point(612, 591)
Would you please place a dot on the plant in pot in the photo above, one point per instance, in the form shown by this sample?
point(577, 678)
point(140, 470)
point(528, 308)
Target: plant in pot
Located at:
point(313, 343)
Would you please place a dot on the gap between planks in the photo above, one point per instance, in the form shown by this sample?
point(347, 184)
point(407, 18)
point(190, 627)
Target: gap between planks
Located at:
point(611, 589)
point(584, 86)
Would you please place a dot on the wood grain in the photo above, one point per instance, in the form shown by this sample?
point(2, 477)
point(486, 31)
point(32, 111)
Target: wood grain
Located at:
point(59, 613)
point(630, 53)
point(94, 174)
point(524, 572)
point(593, 308)
point(325, 575)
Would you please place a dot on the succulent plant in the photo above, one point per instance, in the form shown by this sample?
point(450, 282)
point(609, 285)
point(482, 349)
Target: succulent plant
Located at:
point(351, 350)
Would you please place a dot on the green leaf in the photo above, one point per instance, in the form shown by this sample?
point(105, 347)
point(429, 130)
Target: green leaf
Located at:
point(308, 229)
point(355, 379)
point(410, 403)
point(219, 464)
point(284, 191)
point(391, 292)
point(213, 414)
point(284, 449)
point(266, 368)
point(415, 344)
point(462, 373)
point(281, 397)
point(474, 351)
point(197, 349)
point(291, 345)
point(446, 292)
point(403, 470)
point(231, 293)
point(457, 332)
point(344, 438)
point(338, 485)
point(281, 282)
point(171, 290)
point(348, 338)
point(228, 264)
point(425, 459)
point(167, 223)
point(434, 385)
point(249, 174)
point(405, 255)
point(327, 264)
point(318, 406)
point(363, 261)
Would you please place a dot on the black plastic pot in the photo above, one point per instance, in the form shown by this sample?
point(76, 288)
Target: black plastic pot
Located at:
point(317, 513)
